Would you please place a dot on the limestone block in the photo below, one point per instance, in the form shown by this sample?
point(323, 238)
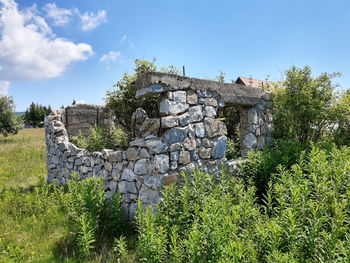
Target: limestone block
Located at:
point(211, 102)
point(253, 116)
point(96, 170)
point(149, 196)
point(207, 143)
point(210, 111)
point(184, 119)
point(250, 141)
point(150, 127)
point(116, 175)
point(175, 135)
point(161, 163)
point(141, 166)
point(214, 127)
point(169, 122)
point(179, 96)
point(105, 153)
point(175, 147)
point(191, 97)
point(190, 144)
point(204, 153)
point(169, 107)
point(128, 175)
point(196, 113)
point(199, 129)
point(156, 145)
point(152, 181)
point(138, 117)
point(169, 179)
point(108, 166)
point(194, 155)
point(127, 187)
point(144, 153)
point(220, 146)
point(185, 157)
point(204, 93)
point(173, 166)
point(116, 156)
point(138, 143)
point(132, 154)
point(174, 156)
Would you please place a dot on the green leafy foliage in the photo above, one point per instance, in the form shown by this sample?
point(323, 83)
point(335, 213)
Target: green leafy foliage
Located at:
point(35, 114)
point(342, 127)
point(9, 122)
point(305, 217)
point(102, 137)
point(261, 165)
point(122, 102)
point(305, 106)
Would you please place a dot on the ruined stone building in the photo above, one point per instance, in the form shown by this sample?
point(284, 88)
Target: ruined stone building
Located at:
point(187, 135)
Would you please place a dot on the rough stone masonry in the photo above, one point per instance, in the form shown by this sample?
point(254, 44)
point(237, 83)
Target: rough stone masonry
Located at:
point(187, 135)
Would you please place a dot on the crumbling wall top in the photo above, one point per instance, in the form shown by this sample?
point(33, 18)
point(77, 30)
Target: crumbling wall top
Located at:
point(232, 93)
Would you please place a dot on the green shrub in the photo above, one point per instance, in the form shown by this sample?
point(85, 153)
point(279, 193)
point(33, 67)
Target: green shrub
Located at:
point(122, 101)
point(260, 165)
point(305, 217)
point(102, 137)
point(9, 122)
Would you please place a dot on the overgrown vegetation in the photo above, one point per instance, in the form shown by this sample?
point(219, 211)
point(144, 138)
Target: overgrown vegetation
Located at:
point(211, 218)
point(122, 101)
point(102, 137)
point(309, 109)
point(287, 203)
point(44, 223)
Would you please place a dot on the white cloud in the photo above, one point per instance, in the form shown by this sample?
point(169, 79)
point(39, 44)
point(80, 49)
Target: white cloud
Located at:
point(60, 16)
point(90, 20)
point(123, 39)
point(4, 87)
point(80, 102)
point(110, 56)
point(28, 48)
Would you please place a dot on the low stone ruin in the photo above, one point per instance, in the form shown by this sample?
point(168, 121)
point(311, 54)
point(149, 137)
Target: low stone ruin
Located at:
point(187, 136)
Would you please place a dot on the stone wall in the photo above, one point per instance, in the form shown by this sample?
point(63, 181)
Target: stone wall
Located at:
point(187, 135)
point(82, 117)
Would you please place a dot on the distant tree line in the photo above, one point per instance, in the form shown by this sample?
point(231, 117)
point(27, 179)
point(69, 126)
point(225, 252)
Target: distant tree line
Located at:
point(35, 114)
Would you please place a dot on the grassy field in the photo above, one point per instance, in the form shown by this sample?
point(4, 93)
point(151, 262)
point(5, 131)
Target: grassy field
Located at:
point(34, 225)
point(22, 158)
point(29, 231)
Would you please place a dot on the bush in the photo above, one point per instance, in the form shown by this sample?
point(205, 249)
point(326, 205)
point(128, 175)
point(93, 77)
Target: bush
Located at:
point(9, 122)
point(122, 102)
point(261, 165)
point(102, 137)
point(209, 218)
point(305, 106)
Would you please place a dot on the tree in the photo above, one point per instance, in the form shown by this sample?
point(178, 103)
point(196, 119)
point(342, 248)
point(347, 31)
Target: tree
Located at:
point(342, 127)
point(35, 114)
point(305, 106)
point(9, 122)
point(122, 102)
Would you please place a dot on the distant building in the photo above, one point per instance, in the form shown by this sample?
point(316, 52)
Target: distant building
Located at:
point(255, 83)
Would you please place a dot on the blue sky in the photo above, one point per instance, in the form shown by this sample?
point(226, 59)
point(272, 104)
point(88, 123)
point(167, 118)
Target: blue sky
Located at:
point(52, 52)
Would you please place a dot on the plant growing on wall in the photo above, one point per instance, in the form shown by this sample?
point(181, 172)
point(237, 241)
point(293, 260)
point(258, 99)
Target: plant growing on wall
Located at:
point(122, 101)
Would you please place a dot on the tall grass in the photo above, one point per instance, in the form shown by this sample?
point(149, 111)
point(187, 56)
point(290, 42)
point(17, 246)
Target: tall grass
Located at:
point(43, 223)
point(305, 217)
